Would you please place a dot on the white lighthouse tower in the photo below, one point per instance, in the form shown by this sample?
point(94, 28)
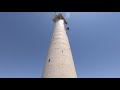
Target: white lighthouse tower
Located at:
point(59, 61)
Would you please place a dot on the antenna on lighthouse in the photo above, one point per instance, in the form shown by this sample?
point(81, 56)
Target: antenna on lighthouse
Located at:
point(55, 14)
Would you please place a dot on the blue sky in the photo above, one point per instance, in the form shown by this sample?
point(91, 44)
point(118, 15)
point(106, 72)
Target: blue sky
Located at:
point(94, 38)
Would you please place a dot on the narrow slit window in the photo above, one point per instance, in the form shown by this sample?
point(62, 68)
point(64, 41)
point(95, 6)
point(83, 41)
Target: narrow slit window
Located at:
point(62, 51)
point(49, 60)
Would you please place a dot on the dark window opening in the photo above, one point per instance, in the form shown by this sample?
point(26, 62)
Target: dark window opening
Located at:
point(49, 60)
point(62, 51)
point(53, 37)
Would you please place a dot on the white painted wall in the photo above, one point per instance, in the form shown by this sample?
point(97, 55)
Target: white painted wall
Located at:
point(61, 63)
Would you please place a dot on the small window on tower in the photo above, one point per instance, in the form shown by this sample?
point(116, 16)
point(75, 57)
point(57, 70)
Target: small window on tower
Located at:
point(49, 60)
point(62, 51)
point(53, 37)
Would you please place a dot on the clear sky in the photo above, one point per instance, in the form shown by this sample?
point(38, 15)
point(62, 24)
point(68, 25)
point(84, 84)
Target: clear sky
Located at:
point(94, 38)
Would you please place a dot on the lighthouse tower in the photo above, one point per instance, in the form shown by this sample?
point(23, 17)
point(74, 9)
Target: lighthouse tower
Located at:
point(59, 62)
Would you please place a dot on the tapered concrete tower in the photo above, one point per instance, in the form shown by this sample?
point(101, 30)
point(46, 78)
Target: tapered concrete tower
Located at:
point(59, 61)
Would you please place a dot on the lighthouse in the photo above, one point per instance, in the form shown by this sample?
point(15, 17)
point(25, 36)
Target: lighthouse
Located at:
point(59, 61)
